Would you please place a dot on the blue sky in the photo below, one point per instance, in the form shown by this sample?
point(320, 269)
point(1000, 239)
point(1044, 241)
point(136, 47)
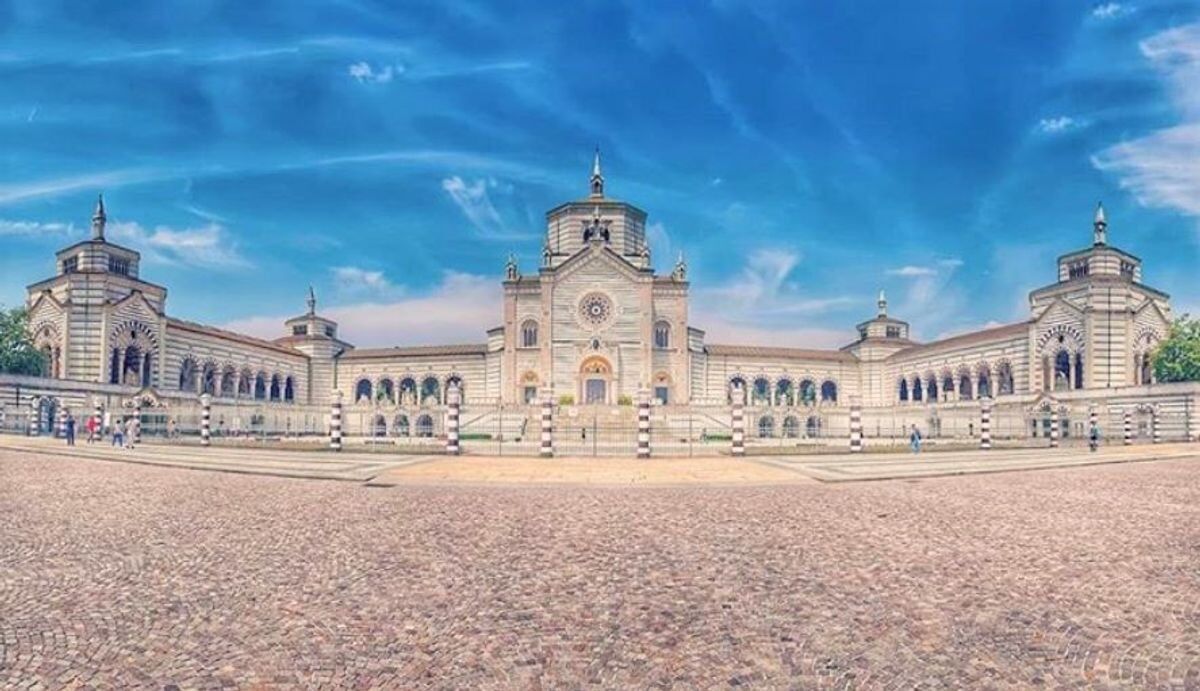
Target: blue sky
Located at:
point(803, 155)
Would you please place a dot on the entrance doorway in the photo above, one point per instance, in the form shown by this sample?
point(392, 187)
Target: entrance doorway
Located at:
point(595, 375)
point(595, 391)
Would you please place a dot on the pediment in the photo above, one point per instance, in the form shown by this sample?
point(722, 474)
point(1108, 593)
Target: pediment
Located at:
point(1152, 306)
point(136, 305)
point(593, 254)
point(1059, 306)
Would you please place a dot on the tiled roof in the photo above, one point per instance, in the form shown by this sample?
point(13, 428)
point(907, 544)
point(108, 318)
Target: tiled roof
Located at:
point(995, 333)
point(231, 336)
point(777, 352)
point(416, 351)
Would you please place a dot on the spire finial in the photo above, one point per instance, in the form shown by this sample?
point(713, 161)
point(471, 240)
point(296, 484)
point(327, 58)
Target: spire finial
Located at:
point(680, 272)
point(99, 218)
point(882, 304)
point(597, 176)
point(312, 301)
point(1100, 226)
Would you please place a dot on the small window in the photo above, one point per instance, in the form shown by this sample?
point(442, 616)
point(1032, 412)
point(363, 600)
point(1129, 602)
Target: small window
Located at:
point(329, 331)
point(662, 335)
point(70, 265)
point(663, 394)
point(301, 330)
point(118, 265)
point(529, 334)
point(530, 395)
point(1077, 269)
point(1127, 269)
point(893, 332)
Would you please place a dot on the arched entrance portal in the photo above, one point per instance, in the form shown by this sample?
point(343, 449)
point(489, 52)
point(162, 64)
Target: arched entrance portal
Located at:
point(595, 381)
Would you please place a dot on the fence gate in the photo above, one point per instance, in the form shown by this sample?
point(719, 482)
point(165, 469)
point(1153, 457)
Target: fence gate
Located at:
point(598, 431)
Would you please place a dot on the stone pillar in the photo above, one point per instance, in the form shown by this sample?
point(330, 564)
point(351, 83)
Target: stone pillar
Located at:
point(35, 417)
point(856, 428)
point(738, 447)
point(454, 402)
point(335, 421)
point(205, 420)
point(547, 448)
point(1127, 421)
point(1053, 427)
point(985, 423)
point(1155, 433)
point(643, 435)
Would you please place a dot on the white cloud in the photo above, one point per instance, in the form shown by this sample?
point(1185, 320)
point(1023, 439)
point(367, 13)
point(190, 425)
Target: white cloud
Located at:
point(459, 309)
point(1055, 125)
point(1110, 10)
point(911, 271)
point(94, 181)
point(34, 228)
point(364, 73)
point(206, 247)
point(474, 200)
point(1161, 169)
point(352, 280)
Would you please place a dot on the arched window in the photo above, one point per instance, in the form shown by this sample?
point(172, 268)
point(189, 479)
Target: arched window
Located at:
point(408, 391)
point(245, 384)
point(455, 380)
point(762, 392)
point(208, 379)
point(903, 393)
point(187, 375)
point(785, 393)
point(529, 334)
point(424, 426)
point(1062, 371)
point(362, 391)
point(985, 382)
point(932, 394)
point(260, 386)
point(289, 389)
point(947, 384)
point(964, 386)
point(791, 427)
point(917, 393)
point(276, 387)
point(735, 384)
point(386, 393)
point(812, 427)
point(1004, 379)
point(431, 389)
point(808, 392)
point(1078, 370)
point(400, 426)
point(828, 392)
point(766, 427)
point(379, 426)
point(228, 382)
point(662, 335)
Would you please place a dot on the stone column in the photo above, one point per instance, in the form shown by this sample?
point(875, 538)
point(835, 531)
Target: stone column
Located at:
point(335, 421)
point(1155, 433)
point(454, 402)
point(643, 435)
point(547, 447)
point(35, 417)
point(738, 447)
point(856, 428)
point(1053, 427)
point(985, 423)
point(205, 420)
point(1127, 421)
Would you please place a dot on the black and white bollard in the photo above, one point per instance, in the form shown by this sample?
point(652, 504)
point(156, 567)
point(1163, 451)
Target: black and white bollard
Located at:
point(985, 423)
point(1053, 427)
point(62, 422)
point(1155, 432)
point(1093, 420)
point(137, 422)
point(335, 421)
point(547, 447)
point(454, 404)
point(856, 428)
point(1191, 423)
point(98, 416)
point(35, 417)
point(205, 420)
point(738, 436)
point(643, 434)
point(1127, 422)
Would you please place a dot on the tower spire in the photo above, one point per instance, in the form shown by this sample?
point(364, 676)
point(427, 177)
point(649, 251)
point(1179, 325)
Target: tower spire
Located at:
point(99, 218)
point(312, 301)
point(882, 303)
point(1100, 226)
point(597, 181)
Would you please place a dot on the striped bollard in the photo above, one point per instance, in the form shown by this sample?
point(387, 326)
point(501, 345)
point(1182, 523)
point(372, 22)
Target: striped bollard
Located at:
point(547, 447)
point(35, 417)
point(1053, 427)
point(1155, 433)
point(1127, 422)
point(454, 401)
point(643, 439)
point(335, 421)
point(1191, 423)
point(856, 428)
point(205, 420)
point(738, 436)
point(985, 423)
point(137, 421)
point(62, 422)
point(1093, 421)
point(98, 416)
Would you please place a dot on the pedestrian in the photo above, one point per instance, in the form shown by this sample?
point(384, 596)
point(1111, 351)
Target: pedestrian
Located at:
point(118, 434)
point(1094, 437)
point(91, 429)
point(130, 432)
point(915, 439)
point(171, 428)
point(70, 430)
point(106, 424)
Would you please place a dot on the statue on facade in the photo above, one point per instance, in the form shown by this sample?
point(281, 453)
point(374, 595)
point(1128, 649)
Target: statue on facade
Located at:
point(511, 272)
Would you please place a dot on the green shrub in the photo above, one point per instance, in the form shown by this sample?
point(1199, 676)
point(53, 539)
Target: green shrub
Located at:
point(566, 399)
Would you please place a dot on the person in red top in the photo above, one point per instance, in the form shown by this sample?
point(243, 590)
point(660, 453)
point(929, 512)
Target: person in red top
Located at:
point(91, 428)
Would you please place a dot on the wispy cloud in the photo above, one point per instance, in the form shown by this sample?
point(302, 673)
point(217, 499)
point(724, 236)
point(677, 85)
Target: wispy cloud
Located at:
point(22, 191)
point(353, 280)
point(910, 271)
point(364, 73)
point(34, 229)
point(1110, 10)
point(1056, 125)
point(458, 309)
point(474, 200)
point(208, 247)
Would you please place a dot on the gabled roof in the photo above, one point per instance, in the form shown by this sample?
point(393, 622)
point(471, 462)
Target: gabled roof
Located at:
point(231, 336)
point(605, 250)
point(778, 352)
point(415, 351)
point(995, 333)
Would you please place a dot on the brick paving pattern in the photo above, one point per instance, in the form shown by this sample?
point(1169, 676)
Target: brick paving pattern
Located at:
point(115, 575)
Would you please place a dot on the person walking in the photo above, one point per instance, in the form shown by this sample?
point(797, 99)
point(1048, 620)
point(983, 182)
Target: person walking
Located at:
point(130, 432)
point(70, 430)
point(118, 433)
point(1094, 437)
point(91, 425)
point(914, 439)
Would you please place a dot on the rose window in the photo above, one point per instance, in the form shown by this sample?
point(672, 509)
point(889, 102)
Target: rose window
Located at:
point(595, 309)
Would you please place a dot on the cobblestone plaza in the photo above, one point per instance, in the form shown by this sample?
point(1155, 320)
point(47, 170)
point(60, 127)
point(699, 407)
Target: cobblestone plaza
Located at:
point(119, 576)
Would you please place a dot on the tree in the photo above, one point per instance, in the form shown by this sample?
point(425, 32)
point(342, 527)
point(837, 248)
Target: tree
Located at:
point(1178, 357)
point(17, 354)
